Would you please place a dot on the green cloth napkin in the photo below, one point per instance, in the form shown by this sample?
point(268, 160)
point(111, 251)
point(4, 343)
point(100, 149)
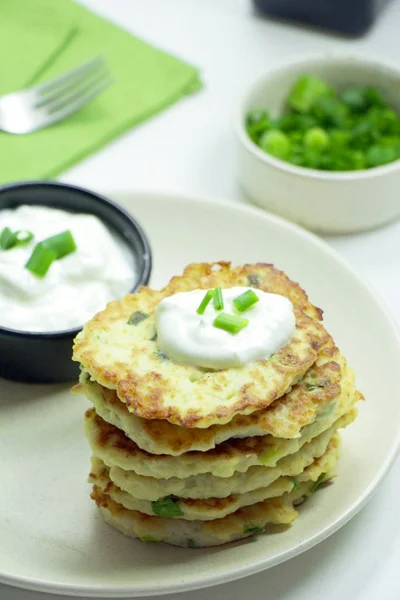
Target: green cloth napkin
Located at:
point(54, 36)
point(32, 34)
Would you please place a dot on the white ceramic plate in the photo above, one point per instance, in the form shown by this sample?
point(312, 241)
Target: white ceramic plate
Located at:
point(51, 536)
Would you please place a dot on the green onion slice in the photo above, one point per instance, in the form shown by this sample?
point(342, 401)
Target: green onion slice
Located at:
point(167, 507)
point(205, 302)
point(8, 239)
point(61, 244)
point(245, 300)
point(47, 251)
point(217, 299)
point(40, 260)
point(23, 237)
point(296, 484)
point(314, 486)
point(137, 317)
point(254, 529)
point(230, 323)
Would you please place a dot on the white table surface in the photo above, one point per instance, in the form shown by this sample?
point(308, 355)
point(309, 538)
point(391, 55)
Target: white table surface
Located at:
point(190, 148)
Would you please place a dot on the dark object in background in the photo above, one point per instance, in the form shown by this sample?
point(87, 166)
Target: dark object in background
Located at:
point(350, 17)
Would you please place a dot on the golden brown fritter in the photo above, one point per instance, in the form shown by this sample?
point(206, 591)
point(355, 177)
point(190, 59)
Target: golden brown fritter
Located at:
point(206, 485)
point(207, 509)
point(314, 395)
point(197, 534)
point(125, 357)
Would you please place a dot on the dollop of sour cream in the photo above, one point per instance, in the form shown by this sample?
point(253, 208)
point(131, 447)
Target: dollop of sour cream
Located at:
point(76, 286)
point(189, 338)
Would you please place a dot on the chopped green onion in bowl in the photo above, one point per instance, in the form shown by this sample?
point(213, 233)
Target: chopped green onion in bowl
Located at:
point(48, 250)
point(326, 129)
point(316, 138)
point(277, 143)
point(61, 243)
point(24, 237)
point(10, 239)
point(40, 260)
point(307, 91)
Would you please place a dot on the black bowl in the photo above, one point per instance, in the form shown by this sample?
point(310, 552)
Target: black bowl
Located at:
point(46, 357)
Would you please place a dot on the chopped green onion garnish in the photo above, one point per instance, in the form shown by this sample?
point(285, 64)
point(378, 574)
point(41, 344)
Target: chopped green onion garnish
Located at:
point(167, 507)
point(137, 317)
point(230, 323)
point(307, 90)
point(47, 251)
point(217, 299)
point(8, 239)
point(40, 260)
point(316, 138)
point(61, 244)
point(245, 300)
point(24, 237)
point(276, 143)
point(205, 302)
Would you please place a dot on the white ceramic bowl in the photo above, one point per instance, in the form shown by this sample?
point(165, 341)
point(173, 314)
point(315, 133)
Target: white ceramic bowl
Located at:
point(329, 202)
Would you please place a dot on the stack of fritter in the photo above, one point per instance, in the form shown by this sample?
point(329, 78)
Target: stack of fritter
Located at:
point(196, 457)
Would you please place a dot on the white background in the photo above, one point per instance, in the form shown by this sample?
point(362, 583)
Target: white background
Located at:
point(190, 148)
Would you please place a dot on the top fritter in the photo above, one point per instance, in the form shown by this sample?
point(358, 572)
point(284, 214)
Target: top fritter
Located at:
point(118, 348)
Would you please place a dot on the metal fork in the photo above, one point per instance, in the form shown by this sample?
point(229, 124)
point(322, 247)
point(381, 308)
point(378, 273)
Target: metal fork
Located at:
point(37, 107)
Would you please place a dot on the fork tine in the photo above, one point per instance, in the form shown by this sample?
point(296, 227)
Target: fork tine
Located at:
point(79, 102)
point(72, 84)
point(78, 92)
point(72, 75)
